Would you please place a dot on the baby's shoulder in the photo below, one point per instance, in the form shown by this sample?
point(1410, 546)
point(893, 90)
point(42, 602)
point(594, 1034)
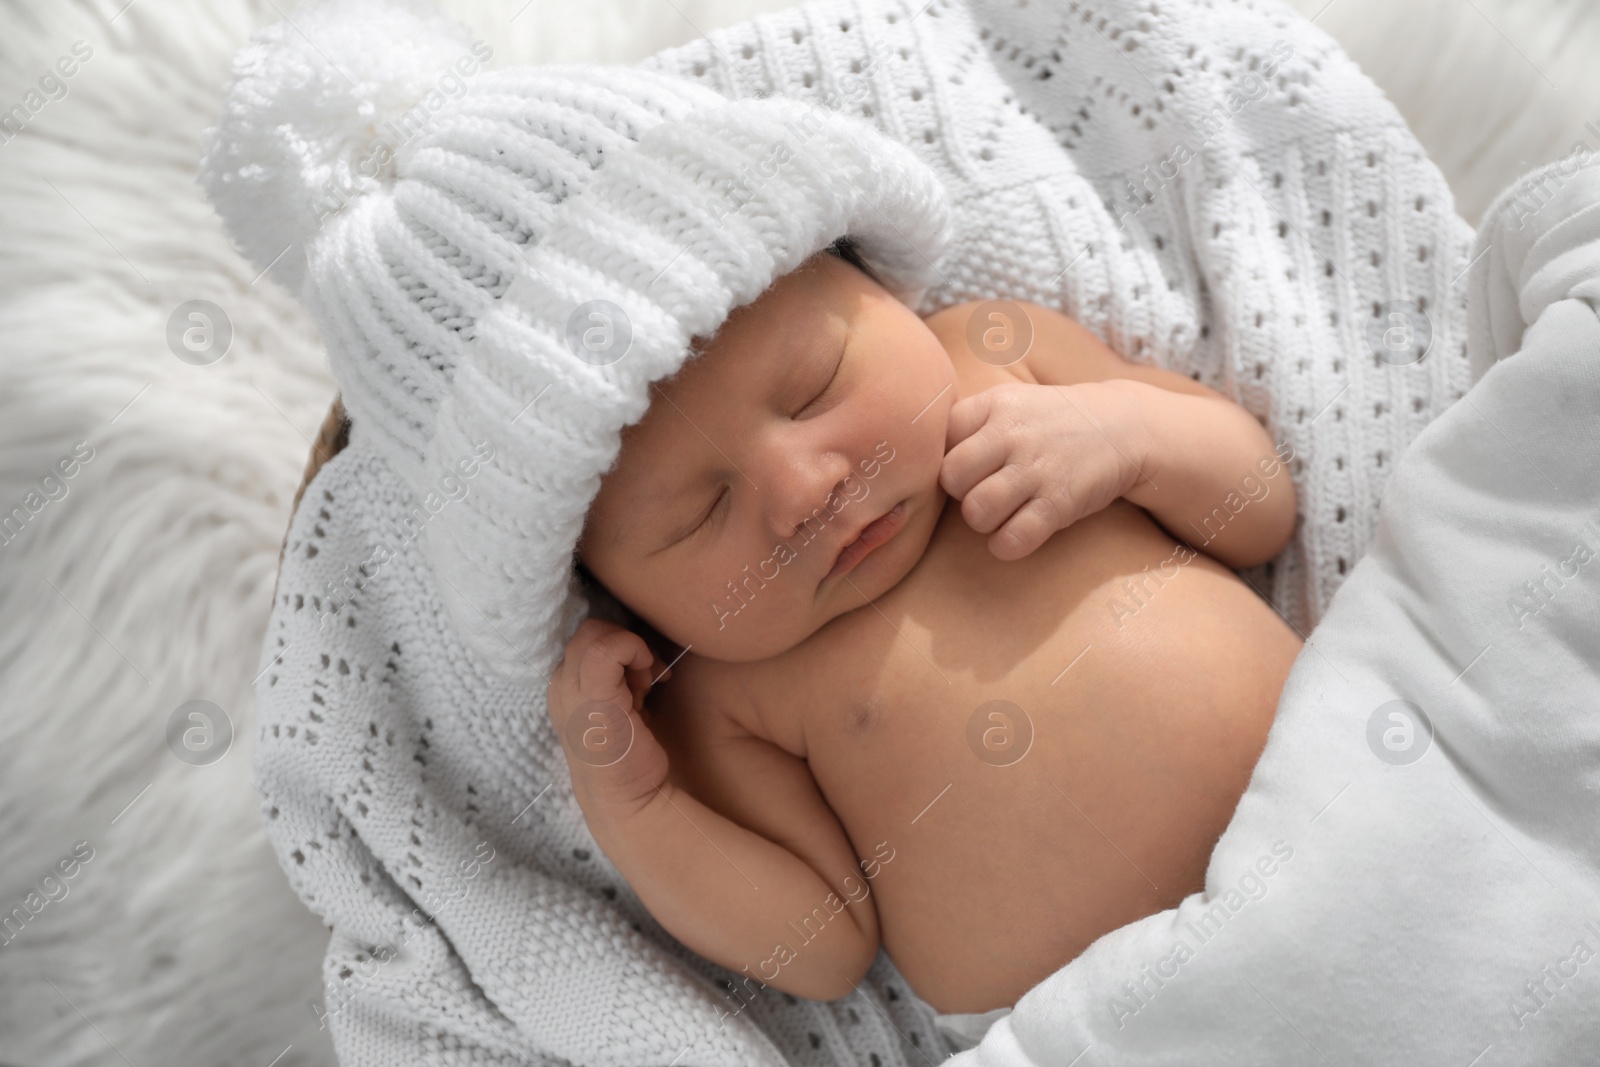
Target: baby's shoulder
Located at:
point(707, 702)
point(725, 745)
point(1018, 340)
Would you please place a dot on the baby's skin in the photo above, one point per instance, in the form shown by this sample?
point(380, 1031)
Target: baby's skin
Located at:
point(1014, 716)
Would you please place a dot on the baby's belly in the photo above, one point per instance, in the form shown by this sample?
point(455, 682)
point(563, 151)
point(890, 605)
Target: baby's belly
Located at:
point(1049, 751)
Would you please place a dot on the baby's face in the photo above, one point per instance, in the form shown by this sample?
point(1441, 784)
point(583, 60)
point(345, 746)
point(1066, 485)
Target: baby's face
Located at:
point(817, 409)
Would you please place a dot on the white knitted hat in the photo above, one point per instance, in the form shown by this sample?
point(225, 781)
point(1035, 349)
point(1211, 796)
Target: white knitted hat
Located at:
point(511, 257)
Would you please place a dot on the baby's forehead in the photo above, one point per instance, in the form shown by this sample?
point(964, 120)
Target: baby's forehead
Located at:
point(757, 352)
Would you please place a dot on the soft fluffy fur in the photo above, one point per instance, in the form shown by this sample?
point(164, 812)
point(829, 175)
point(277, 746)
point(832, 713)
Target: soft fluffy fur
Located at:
point(148, 584)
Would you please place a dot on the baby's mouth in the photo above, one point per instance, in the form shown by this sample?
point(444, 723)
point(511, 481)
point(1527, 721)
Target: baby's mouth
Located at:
point(872, 535)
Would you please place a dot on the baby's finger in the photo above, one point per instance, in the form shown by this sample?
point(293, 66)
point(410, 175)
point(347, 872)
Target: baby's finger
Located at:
point(973, 460)
point(997, 497)
point(600, 672)
point(642, 679)
point(966, 416)
point(1025, 531)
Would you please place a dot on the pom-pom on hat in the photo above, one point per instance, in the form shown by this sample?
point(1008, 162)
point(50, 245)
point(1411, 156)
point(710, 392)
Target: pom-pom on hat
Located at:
point(501, 262)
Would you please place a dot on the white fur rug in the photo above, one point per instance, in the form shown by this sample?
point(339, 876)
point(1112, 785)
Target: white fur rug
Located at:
point(143, 581)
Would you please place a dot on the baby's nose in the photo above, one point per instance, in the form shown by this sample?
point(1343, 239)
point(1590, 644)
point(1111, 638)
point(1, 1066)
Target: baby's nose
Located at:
point(801, 489)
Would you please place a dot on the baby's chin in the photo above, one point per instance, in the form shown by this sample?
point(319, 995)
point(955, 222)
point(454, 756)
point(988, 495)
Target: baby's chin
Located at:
point(890, 563)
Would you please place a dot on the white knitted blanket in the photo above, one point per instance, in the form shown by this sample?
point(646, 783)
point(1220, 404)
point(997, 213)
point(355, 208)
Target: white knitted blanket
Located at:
point(1211, 188)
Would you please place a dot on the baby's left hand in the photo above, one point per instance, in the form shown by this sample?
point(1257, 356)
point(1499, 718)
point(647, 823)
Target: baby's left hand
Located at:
point(1038, 458)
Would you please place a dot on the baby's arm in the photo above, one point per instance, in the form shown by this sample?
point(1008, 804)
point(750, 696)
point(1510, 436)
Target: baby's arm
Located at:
point(1199, 463)
point(745, 894)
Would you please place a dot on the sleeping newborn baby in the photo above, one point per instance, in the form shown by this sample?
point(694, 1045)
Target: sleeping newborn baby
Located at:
point(936, 648)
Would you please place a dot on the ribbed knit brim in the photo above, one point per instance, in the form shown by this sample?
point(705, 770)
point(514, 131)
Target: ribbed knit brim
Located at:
point(444, 223)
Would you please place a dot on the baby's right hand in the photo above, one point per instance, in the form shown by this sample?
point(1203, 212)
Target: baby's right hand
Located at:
point(594, 700)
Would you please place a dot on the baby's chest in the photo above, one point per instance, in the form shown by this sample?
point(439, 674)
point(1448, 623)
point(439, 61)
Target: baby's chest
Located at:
point(963, 623)
point(967, 664)
point(986, 729)
point(907, 712)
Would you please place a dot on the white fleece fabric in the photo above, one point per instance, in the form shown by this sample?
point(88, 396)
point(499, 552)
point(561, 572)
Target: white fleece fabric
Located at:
point(1214, 188)
point(1413, 874)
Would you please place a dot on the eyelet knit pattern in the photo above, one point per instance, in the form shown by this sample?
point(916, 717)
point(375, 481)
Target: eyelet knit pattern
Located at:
point(417, 797)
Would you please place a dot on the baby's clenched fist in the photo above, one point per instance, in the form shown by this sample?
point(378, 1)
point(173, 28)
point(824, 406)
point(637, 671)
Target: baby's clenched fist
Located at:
point(594, 700)
point(1027, 460)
